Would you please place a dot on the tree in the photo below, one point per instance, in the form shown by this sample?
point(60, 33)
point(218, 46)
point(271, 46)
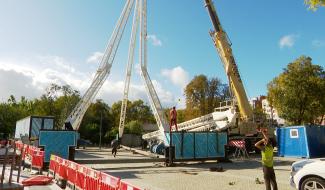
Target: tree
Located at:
point(12, 111)
point(57, 101)
point(203, 95)
point(314, 4)
point(90, 125)
point(298, 92)
point(135, 111)
point(134, 127)
point(195, 93)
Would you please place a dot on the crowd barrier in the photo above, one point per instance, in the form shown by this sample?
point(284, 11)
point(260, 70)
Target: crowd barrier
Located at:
point(79, 177)
point(31, 153)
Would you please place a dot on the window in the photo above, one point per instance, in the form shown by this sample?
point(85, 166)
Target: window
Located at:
point(294, 133)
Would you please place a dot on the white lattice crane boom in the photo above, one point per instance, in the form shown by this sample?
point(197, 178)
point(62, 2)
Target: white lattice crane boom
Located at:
point(140, 18)
point(135, 25)
point(75, 117)
point(157, 109)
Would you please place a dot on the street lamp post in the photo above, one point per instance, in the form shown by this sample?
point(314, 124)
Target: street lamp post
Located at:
point(100, 130)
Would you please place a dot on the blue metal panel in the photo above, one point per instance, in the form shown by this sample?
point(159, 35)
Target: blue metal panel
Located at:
point(57, 142)
point(177, 143)
point(201, 144)
point(192, 145)
point(222, 140)
point(212, 144)
point(316, 140)
point(188, 145)
point(292, 142)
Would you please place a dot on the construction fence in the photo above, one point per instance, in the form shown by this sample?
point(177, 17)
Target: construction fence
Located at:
point(81, 177)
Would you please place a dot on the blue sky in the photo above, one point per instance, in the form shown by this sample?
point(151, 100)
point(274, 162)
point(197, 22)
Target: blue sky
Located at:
point(56, 41)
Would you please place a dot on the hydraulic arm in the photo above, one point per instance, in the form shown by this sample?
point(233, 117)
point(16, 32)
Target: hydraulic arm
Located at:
point(223, 46)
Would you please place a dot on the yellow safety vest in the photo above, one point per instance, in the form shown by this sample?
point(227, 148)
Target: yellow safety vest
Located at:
point(267, 156)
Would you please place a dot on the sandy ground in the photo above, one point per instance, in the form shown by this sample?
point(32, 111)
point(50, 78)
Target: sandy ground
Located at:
point(150, 174)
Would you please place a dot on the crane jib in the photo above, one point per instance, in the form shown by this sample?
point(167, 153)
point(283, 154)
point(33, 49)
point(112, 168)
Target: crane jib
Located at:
point(213, 15)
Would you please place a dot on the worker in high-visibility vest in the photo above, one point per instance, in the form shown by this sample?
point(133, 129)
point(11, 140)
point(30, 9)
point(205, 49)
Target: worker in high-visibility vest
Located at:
point(265, 145)
point(173, 118)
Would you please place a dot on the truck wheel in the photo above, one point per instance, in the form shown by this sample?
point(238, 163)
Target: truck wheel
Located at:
point(312, 183)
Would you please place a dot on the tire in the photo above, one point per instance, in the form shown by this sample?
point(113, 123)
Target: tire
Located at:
point(312, 182)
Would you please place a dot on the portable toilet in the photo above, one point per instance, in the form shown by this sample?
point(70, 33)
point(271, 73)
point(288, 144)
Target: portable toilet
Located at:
point(301, 141)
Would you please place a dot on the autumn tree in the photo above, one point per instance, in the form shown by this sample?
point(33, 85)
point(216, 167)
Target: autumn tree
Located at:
point(203, 95)
point(298, 92)
point(314, 4)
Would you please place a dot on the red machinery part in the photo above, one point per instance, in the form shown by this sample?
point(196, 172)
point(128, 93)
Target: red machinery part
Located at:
point(37, 180)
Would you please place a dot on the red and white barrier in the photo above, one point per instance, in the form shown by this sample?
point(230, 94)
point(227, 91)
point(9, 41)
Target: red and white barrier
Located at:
point(62, 171)
point(77, 176)
point(37, 159)
point(109, 182)
point(33, 154)
point(53, 167)
point(83, 178)
point(237, 143)
point(80, 177)
point(72, 174)
point(126, 186)
point(92, 180)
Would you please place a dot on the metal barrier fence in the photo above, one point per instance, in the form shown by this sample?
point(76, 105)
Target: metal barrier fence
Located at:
point(80, 177)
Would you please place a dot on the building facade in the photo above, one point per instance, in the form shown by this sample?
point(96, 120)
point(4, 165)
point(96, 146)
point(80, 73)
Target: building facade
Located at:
point(271, 113)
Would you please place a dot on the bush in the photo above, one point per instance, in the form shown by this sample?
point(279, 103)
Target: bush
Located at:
point(133, 127)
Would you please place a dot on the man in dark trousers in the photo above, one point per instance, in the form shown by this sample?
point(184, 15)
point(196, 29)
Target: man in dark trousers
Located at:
point(114, 145)
point(173, 118)
point(267, 161)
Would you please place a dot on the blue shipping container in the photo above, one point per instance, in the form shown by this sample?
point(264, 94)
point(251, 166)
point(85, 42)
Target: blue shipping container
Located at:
point(301, 141)
point(199, 145)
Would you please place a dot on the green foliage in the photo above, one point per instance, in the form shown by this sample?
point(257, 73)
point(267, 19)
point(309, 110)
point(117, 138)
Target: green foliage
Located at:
point(98, 114)
point(133, 127)
point(59, 101)
point(110, 135)
point(315, 4)
point(203, 95)
point(136, 110)
point(13, 111)
point(298, 92)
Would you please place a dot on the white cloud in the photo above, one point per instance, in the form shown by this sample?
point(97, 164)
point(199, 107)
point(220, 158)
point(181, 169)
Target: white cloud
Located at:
point(154, 40)
point(318, 43)
point(96, 57)
point(17, 84)
point(30, 77)
point(288, 41)
point(178, 76)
